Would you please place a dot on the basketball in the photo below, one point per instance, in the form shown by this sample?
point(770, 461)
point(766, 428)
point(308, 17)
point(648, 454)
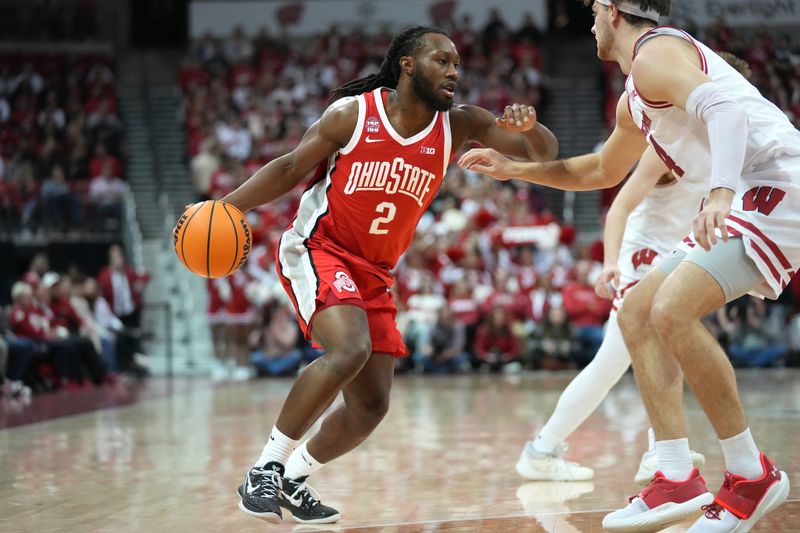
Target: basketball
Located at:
point(212, 239)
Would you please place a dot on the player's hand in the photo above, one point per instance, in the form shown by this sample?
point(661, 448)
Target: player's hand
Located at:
point(517, 118)
point(488, 161)
point(607, 283)
point(711, 217)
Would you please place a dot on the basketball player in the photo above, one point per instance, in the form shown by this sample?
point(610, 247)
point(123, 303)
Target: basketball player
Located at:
point(650, 214)
point(380, 151)
point(717, 135)
point(653, 212)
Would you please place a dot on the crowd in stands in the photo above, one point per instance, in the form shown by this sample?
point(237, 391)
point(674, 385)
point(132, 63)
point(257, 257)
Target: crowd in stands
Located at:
point(69, 330)
point(493, 280)
point(61, 166)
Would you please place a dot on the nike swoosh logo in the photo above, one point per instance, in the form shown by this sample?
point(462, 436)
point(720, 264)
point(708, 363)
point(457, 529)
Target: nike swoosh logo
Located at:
point(374, 140)
point(297, 502)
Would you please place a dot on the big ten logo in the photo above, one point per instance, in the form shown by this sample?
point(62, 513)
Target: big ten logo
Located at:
point(373, 125)
point(342, 282)
point(645, 256)
point(762, 199)
point(177, 229)
point(246, 246)
point(427, 150)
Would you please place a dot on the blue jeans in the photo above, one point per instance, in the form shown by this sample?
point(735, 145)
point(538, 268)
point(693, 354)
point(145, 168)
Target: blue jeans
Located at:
point(590, 337)
point(277, 366)
point(20, 355)
point(757, 357)
point(441, 367)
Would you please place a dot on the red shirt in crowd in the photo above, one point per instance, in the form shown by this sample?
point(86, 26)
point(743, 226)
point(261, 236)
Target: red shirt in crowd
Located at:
point(583, 306)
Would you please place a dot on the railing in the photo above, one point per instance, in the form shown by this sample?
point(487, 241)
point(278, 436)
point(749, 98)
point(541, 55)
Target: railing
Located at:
point(168, 337)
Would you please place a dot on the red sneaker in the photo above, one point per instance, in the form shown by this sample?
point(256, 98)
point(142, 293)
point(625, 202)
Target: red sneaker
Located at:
point(661, 503)
point(740, 503)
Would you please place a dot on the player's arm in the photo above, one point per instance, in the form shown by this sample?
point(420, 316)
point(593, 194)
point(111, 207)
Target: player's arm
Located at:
point(636, 189)
point(281, 175)
point(517, 133)
point(669, 70)
point(582, 173)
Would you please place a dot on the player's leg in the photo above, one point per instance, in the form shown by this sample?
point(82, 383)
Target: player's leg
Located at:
point(704, 281)
point(343, 331)
point(366, 402)
point(540, 459)
point(660, 382)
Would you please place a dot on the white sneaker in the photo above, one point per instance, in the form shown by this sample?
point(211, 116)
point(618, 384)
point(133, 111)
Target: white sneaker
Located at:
point(242, 373)
point(550, 466)
point(649, 464)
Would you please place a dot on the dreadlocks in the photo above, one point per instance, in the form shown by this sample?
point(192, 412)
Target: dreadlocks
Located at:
point(405, 43)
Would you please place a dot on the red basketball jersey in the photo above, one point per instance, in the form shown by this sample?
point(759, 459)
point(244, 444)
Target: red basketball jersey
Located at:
point(369, 196)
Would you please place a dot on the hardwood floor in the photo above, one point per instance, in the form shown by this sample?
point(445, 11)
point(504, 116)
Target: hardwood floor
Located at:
point(442, 460)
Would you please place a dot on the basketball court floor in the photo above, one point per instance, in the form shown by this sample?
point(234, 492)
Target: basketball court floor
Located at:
point(169, 456)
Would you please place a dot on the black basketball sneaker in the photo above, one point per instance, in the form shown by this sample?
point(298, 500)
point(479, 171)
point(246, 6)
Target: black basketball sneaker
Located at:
point(260, 492)
point(303, 502)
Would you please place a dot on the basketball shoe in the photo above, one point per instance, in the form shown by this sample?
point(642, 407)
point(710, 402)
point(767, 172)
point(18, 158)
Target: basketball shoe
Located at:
point(540, 466)
point(260, 492)
point(649, 463)
point(661, 503)
point(303, 502)
point(740, 502)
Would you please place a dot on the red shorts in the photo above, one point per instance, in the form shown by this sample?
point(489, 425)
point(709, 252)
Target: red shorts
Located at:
point(317, 279)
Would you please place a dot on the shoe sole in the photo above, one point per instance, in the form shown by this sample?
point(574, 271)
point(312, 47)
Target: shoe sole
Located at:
point(774, 496)
point(324, 520)
point(698, 461)
point(660, 517)
point(523, 471)
point(272, 518)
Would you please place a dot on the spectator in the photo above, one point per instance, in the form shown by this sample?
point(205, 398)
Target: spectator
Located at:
point(445, 351)
point(275, 350)
point(755, 341)
point(586, 311)
point(204, 165)
point(61, 208)
point(100, 159)
point(496, 346)
point(107, 193)
point(123, 288)
point(29, 321)
point(554, 344)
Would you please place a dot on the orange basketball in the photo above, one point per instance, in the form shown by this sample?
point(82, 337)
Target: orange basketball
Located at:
point(212, 239)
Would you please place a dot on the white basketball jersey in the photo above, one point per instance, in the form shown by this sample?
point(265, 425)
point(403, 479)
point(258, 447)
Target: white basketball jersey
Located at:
point(682, 141)
point(663, 218)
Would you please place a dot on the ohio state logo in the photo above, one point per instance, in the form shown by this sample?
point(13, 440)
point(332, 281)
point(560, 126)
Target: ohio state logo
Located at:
point(342, 282)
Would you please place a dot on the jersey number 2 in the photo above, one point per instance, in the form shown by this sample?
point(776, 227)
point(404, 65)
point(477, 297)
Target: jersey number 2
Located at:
point(389, 210)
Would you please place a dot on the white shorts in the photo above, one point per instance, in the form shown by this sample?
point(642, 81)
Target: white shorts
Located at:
point(766, 214)
point(636, 259)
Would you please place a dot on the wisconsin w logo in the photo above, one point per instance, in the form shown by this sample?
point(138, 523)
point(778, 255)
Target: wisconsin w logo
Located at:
point(645, 256)
point(762, 199)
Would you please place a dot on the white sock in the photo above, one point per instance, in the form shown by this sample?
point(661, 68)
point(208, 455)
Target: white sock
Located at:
point(278, 448)
point(674, 460)
point(651, 439)
point(742, 456)
point(301, 464)
point(587, 390)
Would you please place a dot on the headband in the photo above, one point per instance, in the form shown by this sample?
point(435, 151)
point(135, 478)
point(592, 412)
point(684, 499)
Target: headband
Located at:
point(630, 9)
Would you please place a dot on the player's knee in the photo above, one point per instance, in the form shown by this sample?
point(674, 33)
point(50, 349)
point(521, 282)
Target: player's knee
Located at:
point(666, 319)
point(354, 354)
point(376, 407)
point(631, 316)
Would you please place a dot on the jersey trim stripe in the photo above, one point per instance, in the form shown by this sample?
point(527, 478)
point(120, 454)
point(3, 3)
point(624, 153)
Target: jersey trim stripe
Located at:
point(297, 269)
point(448, 141)
point(770, 244)
point(672, 32)
point(378, 96)
point(362, 115)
